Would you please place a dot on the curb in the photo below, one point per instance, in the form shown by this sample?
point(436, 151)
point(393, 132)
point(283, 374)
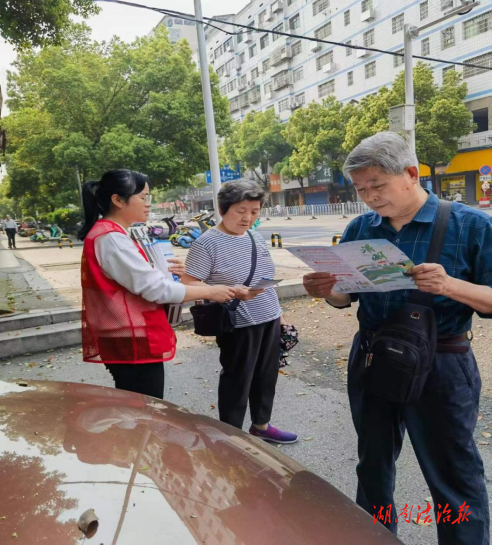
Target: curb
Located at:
point(39, 331)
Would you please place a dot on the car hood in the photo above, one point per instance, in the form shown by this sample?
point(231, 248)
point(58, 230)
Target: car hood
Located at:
point(155, 473)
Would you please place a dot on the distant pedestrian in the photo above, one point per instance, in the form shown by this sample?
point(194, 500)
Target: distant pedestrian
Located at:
point(10, 229)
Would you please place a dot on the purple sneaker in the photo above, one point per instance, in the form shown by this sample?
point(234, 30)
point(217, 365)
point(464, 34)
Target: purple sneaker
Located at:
point(273, 434)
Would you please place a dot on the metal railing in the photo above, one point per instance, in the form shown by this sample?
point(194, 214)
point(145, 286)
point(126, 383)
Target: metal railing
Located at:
point(340, 209)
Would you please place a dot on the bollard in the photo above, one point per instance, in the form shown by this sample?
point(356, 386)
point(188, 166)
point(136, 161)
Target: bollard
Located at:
point(71, 243)
point(274, 237)
point(335, 239)
point(59, 244)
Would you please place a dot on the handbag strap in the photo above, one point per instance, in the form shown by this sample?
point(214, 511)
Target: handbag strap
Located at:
point(254, 253)
point(435, 248)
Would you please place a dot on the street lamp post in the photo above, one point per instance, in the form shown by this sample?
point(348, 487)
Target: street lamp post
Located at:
point(410, 32)
point(213, 153)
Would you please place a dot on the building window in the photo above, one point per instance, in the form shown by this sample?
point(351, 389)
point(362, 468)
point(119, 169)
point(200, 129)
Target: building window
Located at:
point(424, 10)
point(481, 60)
point(298, 74)
point(346, 17)
point(296, 48)
point(261, 17)
point(239, 38)
point(218, 52)
point(264, 41)
point(446, 4)
point(320, 5)
point(425, 47)
point(295, 22)
point(368, 38)
point(278, 28)
point(481, 118)
point(350, 78)
point(284, 105)
point(324, 60)
point(478, 25)
point(323, 32)
point(268, 87)
point(229, 65)
point(220, 71)
point(223, 90)
point(266, 65)
point(447, 37)
point(447, 69)
point(348, 50)
point(255, 73)
point(397, 23)
point(228, 45)
point(300, 99)
point(366, 5)
point(243, 80)
point(253, 50)
point(290, 2)
point(397, 60)
point(370, 69)
point(231, 86)
point(326, 89)
point(241, 58)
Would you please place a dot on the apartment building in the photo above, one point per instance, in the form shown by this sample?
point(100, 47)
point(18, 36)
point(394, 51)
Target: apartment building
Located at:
point(259, 71)
point(179, 29)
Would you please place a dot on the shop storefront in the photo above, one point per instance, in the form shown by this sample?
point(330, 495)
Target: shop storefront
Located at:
point(317, 194)
point(276, 193)
point(450, 185)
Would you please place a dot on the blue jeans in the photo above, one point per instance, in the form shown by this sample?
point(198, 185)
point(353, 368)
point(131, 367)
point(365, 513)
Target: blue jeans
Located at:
point(440, 426)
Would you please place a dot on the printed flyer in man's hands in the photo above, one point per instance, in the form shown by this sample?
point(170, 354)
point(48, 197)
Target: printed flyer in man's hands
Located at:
point(360, 266)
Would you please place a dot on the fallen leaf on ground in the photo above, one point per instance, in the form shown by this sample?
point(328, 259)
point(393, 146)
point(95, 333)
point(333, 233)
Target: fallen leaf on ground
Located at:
point(486, 434)
point(429, 498)
point(301, 394)
point(480, 417)
point(308, 439)
point(420, 522)
point(178, 363)
point(144, 468)
point(483, 443)
point(212, 406)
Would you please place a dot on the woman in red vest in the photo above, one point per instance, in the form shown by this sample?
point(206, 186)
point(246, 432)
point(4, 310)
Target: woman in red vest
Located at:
point(124, 324)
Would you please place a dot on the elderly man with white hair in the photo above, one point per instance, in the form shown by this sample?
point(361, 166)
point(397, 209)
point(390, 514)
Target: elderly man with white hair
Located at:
point(439, 407)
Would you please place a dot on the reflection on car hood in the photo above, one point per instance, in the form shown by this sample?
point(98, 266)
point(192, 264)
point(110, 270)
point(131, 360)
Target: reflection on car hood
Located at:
point(155, 473)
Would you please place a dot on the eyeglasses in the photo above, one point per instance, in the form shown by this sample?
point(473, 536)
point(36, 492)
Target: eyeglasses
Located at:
point(147, 199)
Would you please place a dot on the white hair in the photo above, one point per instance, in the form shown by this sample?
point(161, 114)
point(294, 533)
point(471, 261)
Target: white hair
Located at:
point(385, 150)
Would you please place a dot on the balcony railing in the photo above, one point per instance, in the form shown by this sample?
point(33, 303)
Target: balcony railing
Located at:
point(475, 140)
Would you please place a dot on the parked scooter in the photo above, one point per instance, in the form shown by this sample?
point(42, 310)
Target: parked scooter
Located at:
point(54, 233)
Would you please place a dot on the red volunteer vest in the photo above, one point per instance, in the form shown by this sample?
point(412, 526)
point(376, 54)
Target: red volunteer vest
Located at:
point(117, 325)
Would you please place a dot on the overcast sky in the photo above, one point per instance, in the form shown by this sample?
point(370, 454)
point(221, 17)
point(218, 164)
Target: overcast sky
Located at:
point(127, 23)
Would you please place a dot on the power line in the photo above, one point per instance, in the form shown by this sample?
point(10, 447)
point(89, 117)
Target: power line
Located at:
point(248, 28)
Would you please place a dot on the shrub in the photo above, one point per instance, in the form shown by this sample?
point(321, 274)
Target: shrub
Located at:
point(66, 218)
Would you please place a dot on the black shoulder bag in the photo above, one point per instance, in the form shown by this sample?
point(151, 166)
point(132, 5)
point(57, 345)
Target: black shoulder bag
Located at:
point(402, 350)
point(215, 319)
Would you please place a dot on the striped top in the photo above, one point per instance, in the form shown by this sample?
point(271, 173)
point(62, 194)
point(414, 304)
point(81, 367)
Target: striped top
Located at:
point(219, 258)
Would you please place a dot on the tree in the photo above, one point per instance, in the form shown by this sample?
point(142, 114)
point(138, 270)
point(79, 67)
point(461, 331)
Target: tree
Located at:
point(316, 134)
point(441, 116)
point(96, 107)
point(27, 23)
point(256, 143)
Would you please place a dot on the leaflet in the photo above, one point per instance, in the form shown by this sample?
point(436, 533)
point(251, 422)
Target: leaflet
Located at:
point(265, 283)
point(374, 265)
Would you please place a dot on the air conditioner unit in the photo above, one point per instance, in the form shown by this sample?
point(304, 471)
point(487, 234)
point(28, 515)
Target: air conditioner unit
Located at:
point(360, 53)
point(249, 37)
point(277, 6)
point(252, 83)
point(268, 96)
point(269, 17)
point(227, 73)
point(314, 46)
point(328, 68)
point(326, 12)
point(367, 15)
point(241, 85)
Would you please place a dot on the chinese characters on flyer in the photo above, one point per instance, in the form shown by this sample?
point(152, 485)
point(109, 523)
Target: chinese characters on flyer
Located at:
point(360, 266)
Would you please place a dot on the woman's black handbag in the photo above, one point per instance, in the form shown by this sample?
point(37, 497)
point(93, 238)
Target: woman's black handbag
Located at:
point(402, 350)
point(215, 319)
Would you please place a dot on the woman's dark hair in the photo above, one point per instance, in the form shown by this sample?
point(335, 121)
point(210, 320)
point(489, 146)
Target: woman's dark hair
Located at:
point(96, 196)
point(240, 190)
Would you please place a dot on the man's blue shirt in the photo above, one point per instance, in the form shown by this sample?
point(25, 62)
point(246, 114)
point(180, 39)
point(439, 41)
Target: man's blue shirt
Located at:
point(466, 254)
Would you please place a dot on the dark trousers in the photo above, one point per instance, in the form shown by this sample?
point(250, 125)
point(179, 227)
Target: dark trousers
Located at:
point(11, 237)
point(440, 426)
point(250, 362)
point(142, 378)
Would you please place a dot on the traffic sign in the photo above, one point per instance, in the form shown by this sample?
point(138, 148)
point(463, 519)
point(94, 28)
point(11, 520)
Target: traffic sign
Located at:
point(485, 170)
point(486, 178)
point(226, 175)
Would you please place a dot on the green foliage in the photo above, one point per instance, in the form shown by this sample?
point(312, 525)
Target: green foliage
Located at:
point(255, 143)
point(66, 218)
point(94, 107)
point(40, 22)
point(441, 115)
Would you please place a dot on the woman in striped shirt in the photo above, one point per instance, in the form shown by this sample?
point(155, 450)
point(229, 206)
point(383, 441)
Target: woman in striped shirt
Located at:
point(249, 355)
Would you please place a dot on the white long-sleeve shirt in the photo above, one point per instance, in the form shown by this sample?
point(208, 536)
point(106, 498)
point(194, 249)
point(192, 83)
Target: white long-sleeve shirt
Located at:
point(10, 224)
point(121, 261)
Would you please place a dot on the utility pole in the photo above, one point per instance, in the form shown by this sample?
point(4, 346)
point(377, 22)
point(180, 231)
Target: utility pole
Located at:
point(411, 32)
point(213, 153)
point(80, 189)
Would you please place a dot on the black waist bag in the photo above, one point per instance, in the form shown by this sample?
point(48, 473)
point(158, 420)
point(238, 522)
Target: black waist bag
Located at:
point(402, 350)
point(215, 319)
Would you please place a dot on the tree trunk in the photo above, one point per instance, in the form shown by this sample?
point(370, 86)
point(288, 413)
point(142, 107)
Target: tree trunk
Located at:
point(300, 179)
point(434, 180)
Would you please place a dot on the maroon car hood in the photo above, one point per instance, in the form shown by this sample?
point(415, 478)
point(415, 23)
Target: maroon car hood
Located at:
point(155, 473)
